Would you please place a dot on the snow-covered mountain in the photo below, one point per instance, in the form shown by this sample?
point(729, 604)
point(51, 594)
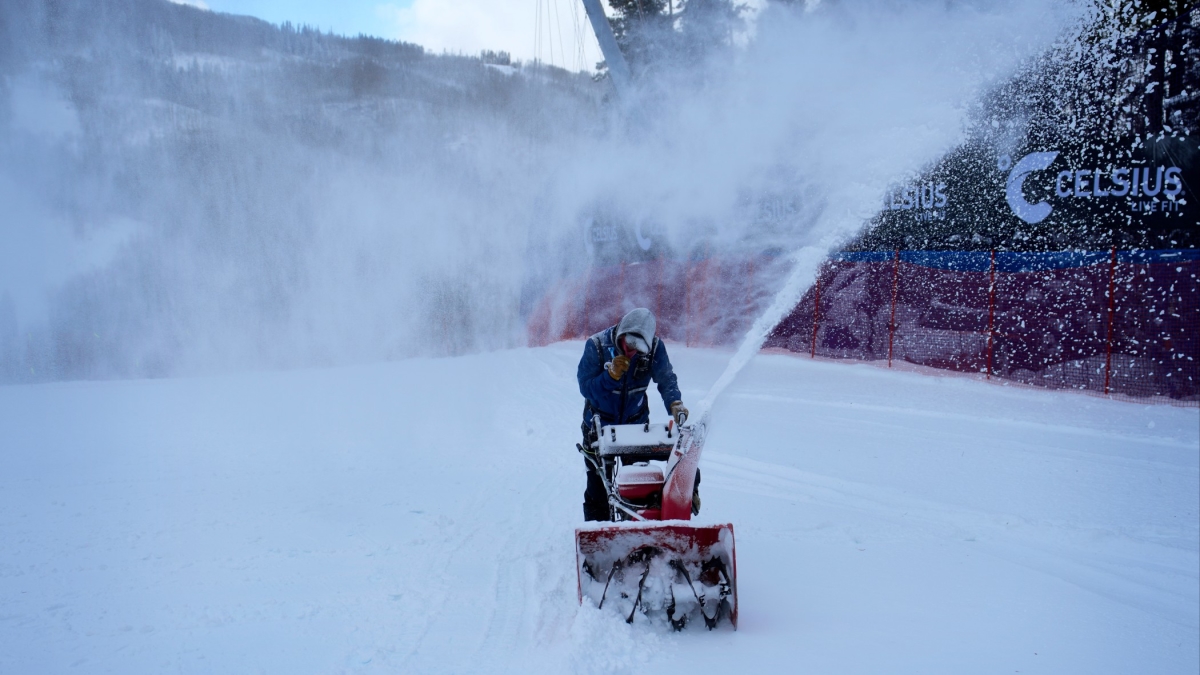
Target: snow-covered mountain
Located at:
point(167, 169)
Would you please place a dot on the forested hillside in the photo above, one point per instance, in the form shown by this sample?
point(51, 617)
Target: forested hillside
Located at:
point(220, 166)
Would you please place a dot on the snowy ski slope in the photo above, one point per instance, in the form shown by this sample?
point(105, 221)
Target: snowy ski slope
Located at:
point(417, 517)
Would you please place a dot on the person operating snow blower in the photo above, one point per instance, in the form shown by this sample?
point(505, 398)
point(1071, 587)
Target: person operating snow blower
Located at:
point(614, 374)
point(650, 559)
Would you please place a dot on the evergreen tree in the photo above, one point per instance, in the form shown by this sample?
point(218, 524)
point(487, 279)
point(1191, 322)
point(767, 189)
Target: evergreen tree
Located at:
point(709, 26)
point(644, 30)
point(672, 33)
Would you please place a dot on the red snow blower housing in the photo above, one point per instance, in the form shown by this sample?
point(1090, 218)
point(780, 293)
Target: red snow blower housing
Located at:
point(651, 559)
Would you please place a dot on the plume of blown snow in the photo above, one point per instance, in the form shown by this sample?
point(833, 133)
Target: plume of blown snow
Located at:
point(429, 235)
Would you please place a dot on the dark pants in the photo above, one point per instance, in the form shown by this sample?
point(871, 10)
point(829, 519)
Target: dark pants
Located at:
point(595, 500)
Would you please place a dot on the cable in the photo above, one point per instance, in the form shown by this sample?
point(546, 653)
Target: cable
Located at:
point(537, 27)
point(580, 55)
point(558, 19)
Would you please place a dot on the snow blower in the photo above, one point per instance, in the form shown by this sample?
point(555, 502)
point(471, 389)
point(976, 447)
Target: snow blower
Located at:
point(651, 559)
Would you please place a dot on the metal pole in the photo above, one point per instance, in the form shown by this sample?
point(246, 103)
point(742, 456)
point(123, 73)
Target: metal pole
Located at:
point(617, 66)
point(587, 291)
point(750, 295)
point(816, 312)
point(704, 295)
point(658, 295)
point(621, 293)
point(1112, 306)
point(687, 299)
point(895, 287)
point(991, 312)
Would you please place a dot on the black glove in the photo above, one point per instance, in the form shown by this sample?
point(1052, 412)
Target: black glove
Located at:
point(679, 412)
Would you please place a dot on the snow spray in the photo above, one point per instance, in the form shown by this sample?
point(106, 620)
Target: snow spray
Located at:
point(805, 263)
point(427, 230)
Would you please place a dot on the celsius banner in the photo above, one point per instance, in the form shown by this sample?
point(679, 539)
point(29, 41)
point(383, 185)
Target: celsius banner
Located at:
point(1047, 198)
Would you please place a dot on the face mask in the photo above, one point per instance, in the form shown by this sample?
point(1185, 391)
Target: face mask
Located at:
point(633, 345)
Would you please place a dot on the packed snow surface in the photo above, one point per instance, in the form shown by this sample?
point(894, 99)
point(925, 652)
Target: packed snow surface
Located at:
point(418, 517)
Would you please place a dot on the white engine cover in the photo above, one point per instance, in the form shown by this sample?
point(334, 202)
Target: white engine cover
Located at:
point(637, 439)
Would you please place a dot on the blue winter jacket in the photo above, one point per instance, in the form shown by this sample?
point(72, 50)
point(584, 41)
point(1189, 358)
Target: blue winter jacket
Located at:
point(623, 401)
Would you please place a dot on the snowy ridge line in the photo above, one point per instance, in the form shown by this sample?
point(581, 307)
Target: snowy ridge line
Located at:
point(1041, 426)
point(1148, 587)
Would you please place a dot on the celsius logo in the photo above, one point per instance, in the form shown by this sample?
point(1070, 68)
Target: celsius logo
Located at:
point(1030, 213)
point(928, 200)
point(1145, 182)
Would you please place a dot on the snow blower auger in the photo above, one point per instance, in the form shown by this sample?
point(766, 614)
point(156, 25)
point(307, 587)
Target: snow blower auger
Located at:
point(651, 560)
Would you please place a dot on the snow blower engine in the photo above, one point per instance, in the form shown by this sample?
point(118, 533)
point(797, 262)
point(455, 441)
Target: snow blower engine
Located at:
point(652, 560)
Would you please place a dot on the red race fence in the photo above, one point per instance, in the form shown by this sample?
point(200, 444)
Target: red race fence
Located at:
point(1121, 323)
point(706, 302)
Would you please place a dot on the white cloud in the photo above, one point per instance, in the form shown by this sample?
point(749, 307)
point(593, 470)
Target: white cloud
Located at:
point(199, 4)
point(469, 26)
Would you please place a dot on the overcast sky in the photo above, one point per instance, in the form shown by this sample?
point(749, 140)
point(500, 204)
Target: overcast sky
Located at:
point(466, 26)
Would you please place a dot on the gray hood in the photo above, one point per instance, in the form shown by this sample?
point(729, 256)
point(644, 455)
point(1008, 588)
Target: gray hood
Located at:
point(639, 322)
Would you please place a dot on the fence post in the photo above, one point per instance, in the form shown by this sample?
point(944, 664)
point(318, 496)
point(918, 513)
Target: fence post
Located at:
point(751, 305)
point(892, 323)
point(658, 294)
point(621, 293)
point(703, 309)
point(687, 302)
point(1112, 306)
point(991, 311)
point(816, 313)
point(587, 291)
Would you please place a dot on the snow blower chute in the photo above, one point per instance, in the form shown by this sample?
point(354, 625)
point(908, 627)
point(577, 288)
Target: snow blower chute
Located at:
point(651, 559)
